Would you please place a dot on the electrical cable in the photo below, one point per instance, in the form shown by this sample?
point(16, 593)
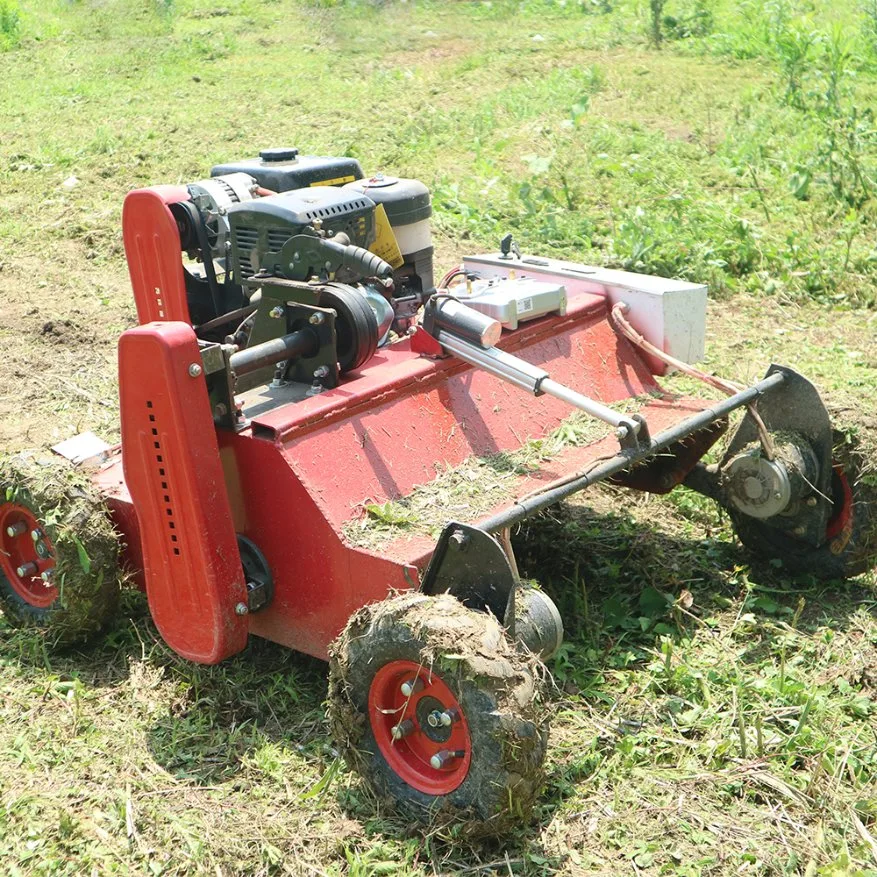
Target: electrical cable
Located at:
point(729, 387)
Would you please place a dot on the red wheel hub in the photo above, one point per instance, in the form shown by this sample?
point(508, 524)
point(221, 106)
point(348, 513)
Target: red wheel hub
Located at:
point(841, 519)
point(420, 727)
point(25, 554)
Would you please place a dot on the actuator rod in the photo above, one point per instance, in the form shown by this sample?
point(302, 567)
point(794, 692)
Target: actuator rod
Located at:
point(533, 379)
point(534, 503)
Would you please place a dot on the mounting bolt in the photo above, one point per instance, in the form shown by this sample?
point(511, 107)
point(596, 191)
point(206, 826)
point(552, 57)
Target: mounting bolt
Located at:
point(36, 535)
point(14, 530)
point(195, 370)
point(411, 686)
point(321, 372)
point(26, 570)
point(443, 758)
point(317, 319)
point(811, 501)
point(42, 549)
point(403, 729)
point(276, 313)
point(46, 576)
point(241, 609)
point(799, 531)
point(460, 539)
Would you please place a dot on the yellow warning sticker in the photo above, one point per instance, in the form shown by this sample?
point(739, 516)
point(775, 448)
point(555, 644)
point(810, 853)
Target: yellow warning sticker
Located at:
point(336, 182)
point(385, 245)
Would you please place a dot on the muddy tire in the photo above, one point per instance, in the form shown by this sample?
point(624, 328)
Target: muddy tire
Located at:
point(850, 546)
point(53, 521)
point(461, 663)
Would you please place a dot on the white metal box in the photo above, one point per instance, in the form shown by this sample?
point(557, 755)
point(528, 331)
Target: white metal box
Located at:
point(671, 314)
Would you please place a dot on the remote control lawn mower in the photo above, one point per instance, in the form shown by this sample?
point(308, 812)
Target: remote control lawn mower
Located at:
point(324, 447)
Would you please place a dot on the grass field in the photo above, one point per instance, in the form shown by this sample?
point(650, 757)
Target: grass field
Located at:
point(713, 717)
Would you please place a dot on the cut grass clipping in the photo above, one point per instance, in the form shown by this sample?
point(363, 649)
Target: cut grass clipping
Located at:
point(474, 486)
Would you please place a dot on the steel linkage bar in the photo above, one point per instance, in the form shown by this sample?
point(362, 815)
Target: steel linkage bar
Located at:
point(626, 458)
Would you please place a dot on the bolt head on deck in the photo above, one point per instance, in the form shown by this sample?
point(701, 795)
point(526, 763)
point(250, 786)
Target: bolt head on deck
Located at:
point(195, 370)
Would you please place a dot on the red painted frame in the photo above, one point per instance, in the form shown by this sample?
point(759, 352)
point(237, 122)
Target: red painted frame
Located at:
point(191, 565)
point(152, 249)
point(298, 477)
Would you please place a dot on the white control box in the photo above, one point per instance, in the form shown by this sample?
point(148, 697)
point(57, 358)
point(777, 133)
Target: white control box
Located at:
point(671, 314)
point(513, 301)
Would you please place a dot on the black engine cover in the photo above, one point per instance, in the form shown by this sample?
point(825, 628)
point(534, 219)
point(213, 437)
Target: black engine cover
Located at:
point(263, 226)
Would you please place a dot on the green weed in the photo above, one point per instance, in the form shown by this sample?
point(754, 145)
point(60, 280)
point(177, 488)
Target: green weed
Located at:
point(10, 24)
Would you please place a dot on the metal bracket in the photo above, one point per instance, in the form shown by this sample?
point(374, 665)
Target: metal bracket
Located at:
point(260, 582)
point(472, 565)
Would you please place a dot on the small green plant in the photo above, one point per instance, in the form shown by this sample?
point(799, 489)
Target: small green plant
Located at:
point(10, 24)
point(694, 20)
point(656, 33)
point(869, 24)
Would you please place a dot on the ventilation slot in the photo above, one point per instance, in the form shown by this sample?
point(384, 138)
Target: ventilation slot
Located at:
point(246, 237)
point(336, 210)
point(160, 468)
point(277, 237)
point(246, 240)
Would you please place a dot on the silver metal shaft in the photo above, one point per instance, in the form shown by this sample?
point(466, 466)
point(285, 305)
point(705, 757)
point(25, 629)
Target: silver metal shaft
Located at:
point(533, 379)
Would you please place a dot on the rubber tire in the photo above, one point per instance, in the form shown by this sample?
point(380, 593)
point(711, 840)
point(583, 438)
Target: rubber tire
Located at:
point(75, 519)
point(851, 553)
point(498, 690)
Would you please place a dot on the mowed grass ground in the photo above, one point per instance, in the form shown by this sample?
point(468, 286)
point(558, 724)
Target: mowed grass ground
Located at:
point(714, 717)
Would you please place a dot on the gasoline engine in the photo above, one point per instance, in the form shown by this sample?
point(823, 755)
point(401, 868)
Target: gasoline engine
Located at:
point(309, 254)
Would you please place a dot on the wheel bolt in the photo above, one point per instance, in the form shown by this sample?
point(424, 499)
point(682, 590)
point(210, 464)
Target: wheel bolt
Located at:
point(14, 530)
point(444, 758)
point(411, 686)
point(46, 576)
point(26, 570)
point(36, 535)
point(403, 729)
point(442, 719)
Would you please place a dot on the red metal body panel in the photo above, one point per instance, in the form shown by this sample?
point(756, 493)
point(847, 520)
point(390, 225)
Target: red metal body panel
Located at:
point(172, 469)
point(303, 470)
point(152, 248)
